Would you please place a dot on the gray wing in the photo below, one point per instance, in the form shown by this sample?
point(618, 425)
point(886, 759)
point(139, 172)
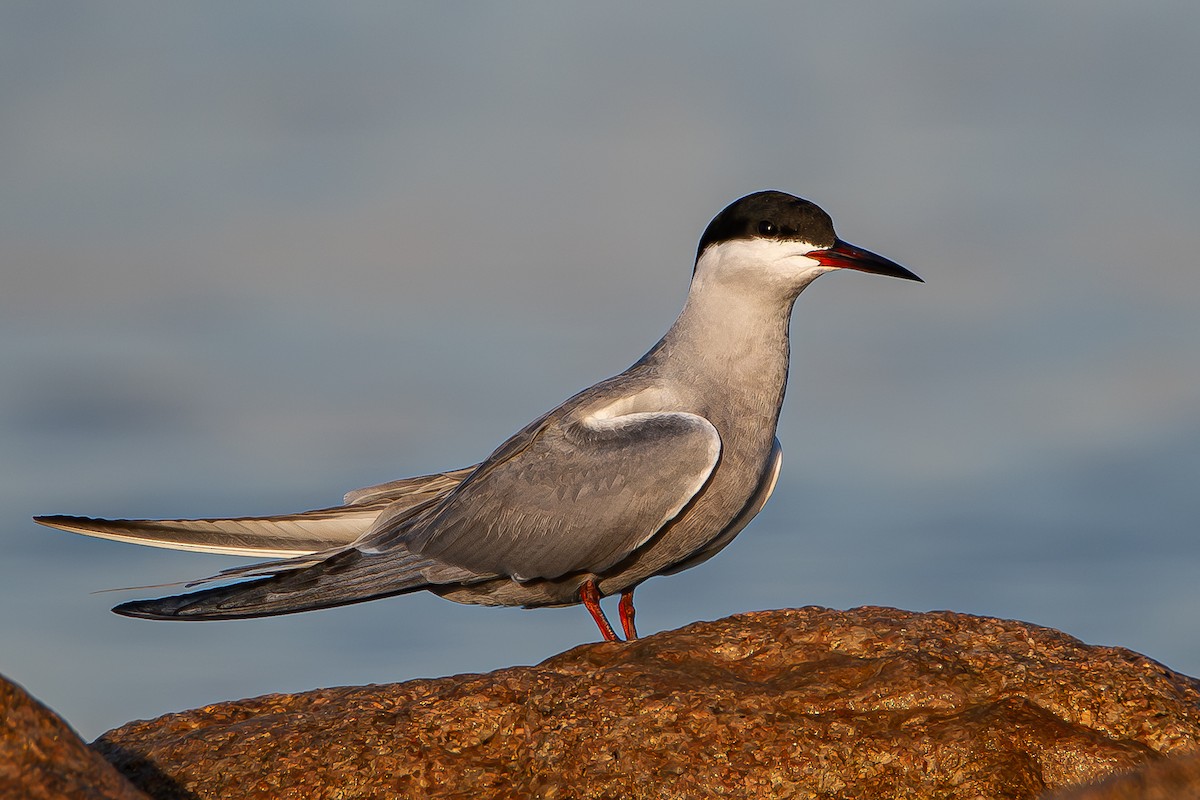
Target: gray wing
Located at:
point(410, 491)
point(567, 498)
point(285, 535)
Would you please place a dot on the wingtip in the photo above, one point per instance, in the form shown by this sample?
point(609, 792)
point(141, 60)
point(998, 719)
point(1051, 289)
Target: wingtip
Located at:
point(172, 607)
point(164, 608)
point(206, 604)
point(136, 609)
point(72, 524)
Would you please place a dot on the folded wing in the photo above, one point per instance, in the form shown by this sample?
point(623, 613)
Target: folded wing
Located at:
point(566, 498)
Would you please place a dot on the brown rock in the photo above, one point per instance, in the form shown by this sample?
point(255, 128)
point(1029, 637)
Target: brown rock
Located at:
point(1176, 778)
point(807, 703)
point(41, 758)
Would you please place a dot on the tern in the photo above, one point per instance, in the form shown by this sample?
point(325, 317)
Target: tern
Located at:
point(648, 473)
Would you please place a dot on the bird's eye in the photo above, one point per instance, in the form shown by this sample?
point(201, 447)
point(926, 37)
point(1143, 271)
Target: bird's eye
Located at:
point(767, 228)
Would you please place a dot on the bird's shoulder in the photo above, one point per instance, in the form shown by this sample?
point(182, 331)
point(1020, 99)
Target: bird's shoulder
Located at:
point(635, 391)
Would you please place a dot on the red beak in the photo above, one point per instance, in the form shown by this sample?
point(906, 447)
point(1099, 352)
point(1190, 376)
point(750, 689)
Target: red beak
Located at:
point(844, 255)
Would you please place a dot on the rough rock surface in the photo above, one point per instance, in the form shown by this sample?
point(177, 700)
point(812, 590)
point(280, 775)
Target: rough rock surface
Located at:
point(811, 703)
point(1176, 778)
point(41, 758)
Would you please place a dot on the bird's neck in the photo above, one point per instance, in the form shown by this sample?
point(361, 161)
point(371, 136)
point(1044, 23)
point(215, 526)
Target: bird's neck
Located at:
point(729, 349)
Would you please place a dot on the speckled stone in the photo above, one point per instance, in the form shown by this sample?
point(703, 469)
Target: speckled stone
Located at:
point(41, 758)
point(1174, 778)
point(804, 703)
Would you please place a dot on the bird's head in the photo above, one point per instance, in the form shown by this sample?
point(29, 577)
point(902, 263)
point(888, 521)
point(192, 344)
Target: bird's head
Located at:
point(775, 238)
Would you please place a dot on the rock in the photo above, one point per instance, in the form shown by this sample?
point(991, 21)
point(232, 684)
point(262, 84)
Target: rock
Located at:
point(41, 758)
point(807, 703)
point(1176, 778)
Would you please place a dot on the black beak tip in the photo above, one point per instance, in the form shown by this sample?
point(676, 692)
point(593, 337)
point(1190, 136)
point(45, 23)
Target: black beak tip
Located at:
point(844, 255)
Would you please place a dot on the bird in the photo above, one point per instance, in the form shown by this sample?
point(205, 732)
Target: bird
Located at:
point(648, 473)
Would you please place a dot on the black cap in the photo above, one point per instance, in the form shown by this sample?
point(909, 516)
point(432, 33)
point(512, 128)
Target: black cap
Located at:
point(770, 215)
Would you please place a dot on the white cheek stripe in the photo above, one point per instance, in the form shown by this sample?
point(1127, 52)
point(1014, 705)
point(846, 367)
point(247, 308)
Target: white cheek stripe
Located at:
point(763, 256)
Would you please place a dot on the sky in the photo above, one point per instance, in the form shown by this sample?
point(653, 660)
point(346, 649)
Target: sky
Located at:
point(256, 255)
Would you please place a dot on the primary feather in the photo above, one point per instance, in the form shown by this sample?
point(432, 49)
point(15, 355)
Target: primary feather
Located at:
point(280, 536)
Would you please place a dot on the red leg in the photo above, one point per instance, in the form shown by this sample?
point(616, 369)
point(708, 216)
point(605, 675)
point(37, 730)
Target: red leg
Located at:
point(590, 594)
point(627, 614)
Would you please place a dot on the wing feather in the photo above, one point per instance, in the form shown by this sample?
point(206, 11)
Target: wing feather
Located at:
point(280, 537)
point(410, 490)
point(580, 496)
point(283, 536)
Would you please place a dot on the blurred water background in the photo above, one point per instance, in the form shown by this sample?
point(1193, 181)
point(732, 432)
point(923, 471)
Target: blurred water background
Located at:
point(255, 255)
